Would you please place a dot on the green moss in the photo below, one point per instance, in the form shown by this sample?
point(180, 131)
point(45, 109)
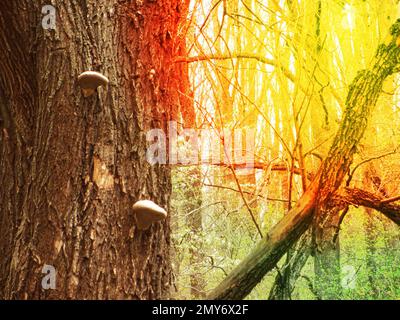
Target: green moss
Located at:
point(395, 28)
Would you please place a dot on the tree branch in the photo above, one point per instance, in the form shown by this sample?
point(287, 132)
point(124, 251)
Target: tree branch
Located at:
point(368, 160)
point(367, 199)
point(254, 165)
point(257, 57)
point(245, 192)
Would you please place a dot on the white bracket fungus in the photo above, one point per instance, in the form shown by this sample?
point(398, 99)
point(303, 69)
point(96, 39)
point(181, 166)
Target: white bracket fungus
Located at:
point(90, 80)
point(146, 212)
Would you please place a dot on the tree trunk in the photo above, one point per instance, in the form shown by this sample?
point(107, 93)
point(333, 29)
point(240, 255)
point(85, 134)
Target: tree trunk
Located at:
point(72, 167)
point(285, 280)
point(264, 257)
point(362, 97)
point(326, 252)
point(319, 198)
point(281, 288)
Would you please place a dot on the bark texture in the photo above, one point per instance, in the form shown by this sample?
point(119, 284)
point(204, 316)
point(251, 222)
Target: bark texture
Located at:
point(72, 167)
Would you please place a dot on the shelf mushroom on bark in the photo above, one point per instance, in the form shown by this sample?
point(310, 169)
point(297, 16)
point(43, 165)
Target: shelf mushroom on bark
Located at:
point(90, 81)
point(147, 212)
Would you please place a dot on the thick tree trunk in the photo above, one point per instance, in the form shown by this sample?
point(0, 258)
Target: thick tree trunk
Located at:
point(327, 284)
point(361, 99)
point(72, 167)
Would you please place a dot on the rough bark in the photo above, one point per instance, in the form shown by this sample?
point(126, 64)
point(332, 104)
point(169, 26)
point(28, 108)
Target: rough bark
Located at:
point(71, 167)
point(361, 99)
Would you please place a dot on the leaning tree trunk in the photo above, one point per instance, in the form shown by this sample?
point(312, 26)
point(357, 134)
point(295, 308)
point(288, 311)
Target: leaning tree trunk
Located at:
point(362, 97)
point(318, 203)
point(72, 167)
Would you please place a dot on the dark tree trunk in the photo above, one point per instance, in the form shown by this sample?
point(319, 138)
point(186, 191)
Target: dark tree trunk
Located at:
point(72, 167)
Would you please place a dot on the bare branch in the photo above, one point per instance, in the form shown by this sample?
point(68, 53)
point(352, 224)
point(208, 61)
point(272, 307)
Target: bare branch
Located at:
point(259, 58)
point(255, 165)
point(369, 160)
point(245, 192)
point(390, 200)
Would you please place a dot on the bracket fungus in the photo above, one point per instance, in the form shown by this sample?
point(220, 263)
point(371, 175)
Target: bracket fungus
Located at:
point(146, 212)
point(90, 80)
